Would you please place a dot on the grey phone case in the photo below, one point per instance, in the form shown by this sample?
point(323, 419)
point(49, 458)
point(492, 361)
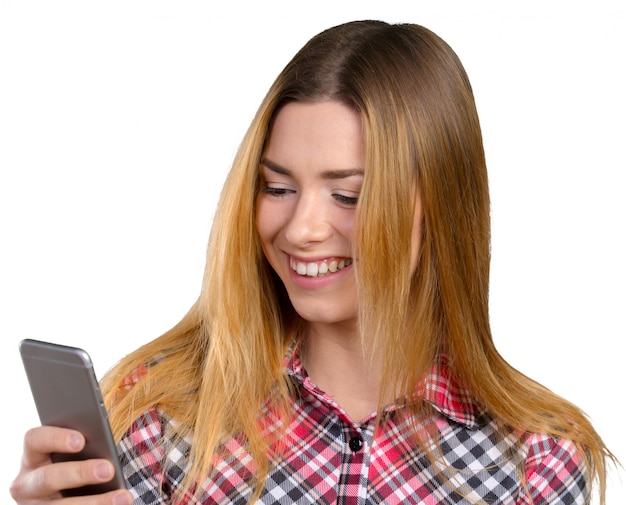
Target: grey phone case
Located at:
point(67, 394)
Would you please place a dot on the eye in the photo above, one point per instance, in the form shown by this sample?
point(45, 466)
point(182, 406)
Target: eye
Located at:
point(276, 191)
point(346, 200)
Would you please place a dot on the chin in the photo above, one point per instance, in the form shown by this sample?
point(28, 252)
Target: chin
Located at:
point(326, 314)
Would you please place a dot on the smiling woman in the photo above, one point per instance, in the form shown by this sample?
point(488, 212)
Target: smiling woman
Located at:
point(305, 213)
point(340, 349)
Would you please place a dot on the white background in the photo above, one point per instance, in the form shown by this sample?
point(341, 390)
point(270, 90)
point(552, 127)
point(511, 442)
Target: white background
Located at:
point(119, 119)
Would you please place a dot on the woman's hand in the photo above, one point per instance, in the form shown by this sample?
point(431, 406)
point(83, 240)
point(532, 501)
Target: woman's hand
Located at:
point(39, 480)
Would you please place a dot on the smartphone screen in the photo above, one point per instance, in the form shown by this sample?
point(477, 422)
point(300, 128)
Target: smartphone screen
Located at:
point(67, 395)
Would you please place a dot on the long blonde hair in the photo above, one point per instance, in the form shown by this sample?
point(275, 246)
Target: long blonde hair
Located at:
point(224, 360)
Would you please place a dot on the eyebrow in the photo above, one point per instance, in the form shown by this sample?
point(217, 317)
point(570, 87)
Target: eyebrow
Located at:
point(327, 174)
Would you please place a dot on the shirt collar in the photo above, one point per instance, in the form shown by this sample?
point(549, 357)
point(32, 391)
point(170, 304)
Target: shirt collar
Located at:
point(438, 387)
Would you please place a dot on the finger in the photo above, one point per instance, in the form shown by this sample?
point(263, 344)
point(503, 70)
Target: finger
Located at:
point(48, 480)
point(40, 442)
point(120, 497)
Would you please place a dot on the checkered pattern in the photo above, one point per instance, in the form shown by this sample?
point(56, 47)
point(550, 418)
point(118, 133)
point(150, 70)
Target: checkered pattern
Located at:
point(328, 458)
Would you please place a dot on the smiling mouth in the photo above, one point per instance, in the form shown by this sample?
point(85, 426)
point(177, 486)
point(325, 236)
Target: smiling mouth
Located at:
point(319, 268)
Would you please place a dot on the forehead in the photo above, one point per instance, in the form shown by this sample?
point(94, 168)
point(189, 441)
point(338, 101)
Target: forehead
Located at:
point(326, 134)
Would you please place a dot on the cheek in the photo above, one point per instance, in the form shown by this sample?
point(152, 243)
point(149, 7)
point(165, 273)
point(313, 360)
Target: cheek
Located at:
point(416, 236)
point(343, 223)
point(268, 222)
point(416, 243)
point(262, 224)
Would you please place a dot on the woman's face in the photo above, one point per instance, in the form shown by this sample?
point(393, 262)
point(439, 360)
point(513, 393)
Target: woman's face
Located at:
point(311, 175)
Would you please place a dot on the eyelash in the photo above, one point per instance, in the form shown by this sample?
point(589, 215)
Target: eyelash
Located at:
point(346, 200)
point(349, 201)
point(277, 191)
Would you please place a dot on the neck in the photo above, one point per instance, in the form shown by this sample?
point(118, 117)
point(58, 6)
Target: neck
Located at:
point(336, 363)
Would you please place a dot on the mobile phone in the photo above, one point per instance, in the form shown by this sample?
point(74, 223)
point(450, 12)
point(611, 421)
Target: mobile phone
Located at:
point(66, 393)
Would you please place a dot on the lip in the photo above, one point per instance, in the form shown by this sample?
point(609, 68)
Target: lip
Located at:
point(307, 282)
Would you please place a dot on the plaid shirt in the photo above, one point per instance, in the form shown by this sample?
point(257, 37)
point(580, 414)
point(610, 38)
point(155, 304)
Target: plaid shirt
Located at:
point(329, 458)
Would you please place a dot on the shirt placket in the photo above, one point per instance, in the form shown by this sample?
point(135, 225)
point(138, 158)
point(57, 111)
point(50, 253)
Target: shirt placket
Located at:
point(352, 485)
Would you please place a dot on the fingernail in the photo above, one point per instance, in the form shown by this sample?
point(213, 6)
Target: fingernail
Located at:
point(75, 442)
point(104, 471)
point(123, 499)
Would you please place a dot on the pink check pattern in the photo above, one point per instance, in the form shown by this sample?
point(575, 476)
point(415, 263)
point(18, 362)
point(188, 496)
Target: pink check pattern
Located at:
point(330, 459)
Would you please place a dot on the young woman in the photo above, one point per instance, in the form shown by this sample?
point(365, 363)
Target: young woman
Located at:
point(340, 349)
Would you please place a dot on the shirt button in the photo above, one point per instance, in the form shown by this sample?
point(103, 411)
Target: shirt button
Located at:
point(355, 443)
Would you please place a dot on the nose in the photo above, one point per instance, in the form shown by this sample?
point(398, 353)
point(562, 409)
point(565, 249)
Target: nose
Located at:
point(309, 223)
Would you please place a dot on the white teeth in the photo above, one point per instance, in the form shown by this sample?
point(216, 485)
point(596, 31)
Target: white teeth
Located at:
point(318, 269)
point(311, 270)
